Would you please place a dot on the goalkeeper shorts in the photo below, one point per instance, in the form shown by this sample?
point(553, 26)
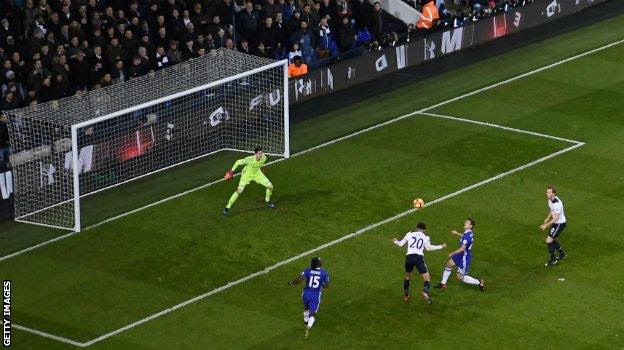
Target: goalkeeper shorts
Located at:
point(257, 178)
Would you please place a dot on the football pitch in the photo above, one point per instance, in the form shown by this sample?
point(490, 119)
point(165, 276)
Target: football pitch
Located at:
point(481, 142)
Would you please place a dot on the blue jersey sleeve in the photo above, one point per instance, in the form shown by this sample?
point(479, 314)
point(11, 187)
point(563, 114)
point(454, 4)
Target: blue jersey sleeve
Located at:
point(325, 278)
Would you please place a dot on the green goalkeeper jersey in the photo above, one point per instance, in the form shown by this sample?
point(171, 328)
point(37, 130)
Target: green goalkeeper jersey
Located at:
point(252, 166)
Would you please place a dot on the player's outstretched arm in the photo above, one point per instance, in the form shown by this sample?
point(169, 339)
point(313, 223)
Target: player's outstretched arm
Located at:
point(230, 173)
point(242, 161)
point(399, 243)
point(429, 246)
point(456, 233)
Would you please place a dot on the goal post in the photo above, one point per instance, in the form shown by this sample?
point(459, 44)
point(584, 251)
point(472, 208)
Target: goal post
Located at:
point(68, 149)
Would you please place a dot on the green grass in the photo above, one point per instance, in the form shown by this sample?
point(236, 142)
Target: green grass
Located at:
point(96, 282)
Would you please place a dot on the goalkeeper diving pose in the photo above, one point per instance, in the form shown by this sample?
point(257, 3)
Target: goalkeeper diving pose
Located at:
point(252, 171)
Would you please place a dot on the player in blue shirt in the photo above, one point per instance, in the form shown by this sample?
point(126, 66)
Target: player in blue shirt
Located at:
point(315, 279)
point(462, 258)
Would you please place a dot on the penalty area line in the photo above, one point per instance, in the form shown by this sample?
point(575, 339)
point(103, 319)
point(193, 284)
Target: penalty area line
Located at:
point(575, 144)
point(49, 336)
point(327, 245)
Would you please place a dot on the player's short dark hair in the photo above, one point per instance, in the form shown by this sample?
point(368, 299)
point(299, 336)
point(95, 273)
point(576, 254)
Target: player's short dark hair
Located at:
point(421, 226)
point(257, 149)
point(472, 222)
point(315, 263)
point(552, 188)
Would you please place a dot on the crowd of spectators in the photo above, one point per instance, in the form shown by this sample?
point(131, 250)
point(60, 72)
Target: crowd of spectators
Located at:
point(51, 49)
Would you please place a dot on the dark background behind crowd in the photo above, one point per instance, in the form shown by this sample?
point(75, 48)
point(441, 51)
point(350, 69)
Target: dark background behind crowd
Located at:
point(52, 49)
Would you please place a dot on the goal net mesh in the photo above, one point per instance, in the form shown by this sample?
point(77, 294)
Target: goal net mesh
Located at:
point(222, 101)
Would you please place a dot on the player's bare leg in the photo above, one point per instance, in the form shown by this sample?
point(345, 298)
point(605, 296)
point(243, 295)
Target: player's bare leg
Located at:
point(426, 287)
point(448, 269)
point(406, 283)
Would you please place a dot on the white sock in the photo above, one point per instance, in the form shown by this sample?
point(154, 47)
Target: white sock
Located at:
point(306, 316)
point(470, 280)
point(310, 321)
point(446, 274)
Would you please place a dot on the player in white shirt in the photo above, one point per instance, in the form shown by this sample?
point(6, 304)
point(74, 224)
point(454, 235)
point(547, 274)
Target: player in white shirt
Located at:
point(556, 220)
point(417, 243)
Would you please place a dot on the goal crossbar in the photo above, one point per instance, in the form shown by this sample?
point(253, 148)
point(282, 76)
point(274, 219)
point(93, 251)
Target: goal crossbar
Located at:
point(37, 153)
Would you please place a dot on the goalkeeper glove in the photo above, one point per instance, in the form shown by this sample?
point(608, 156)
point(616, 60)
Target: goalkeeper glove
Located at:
point(229, 175)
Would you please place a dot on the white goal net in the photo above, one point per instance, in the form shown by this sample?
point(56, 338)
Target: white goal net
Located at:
point(68, 149)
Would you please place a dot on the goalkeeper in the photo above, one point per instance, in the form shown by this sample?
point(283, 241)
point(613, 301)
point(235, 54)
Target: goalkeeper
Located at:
point(252, 171)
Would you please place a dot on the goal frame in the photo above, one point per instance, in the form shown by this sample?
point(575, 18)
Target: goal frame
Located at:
point(75, 149)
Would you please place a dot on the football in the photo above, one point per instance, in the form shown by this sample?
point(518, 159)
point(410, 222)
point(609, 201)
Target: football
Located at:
point(419, 203)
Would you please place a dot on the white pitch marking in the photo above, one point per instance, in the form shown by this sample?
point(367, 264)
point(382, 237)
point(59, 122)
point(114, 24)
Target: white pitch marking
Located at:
point(575, 145)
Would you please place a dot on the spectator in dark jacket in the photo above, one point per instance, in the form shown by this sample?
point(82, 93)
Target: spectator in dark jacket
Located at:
point(220, 39)
point(106, 81)
point(174, 53)
point(376, 22)
point(270, 9)
point(267, 34)
point(188, 51)
point(214, 26)
point(44, 92)
point(147, 62)
point(95, 74)
point(130, 43)
point(60, 66)
point(136, 68)
point(162, 60)
point(36, 74)
point(294, 24)
point(346, 35)
point(96, 56)
point(118, 73)
point(244, 47)
point(280, 28)
point(162, 39)
point(61, 87)
point(261, 51)
point(248, 22)
point(176, 25)
point(79, 72)
point(114, 52)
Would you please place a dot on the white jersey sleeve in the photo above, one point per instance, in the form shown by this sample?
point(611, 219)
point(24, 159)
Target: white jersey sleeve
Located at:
point(403, 241)
point(430, 246)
